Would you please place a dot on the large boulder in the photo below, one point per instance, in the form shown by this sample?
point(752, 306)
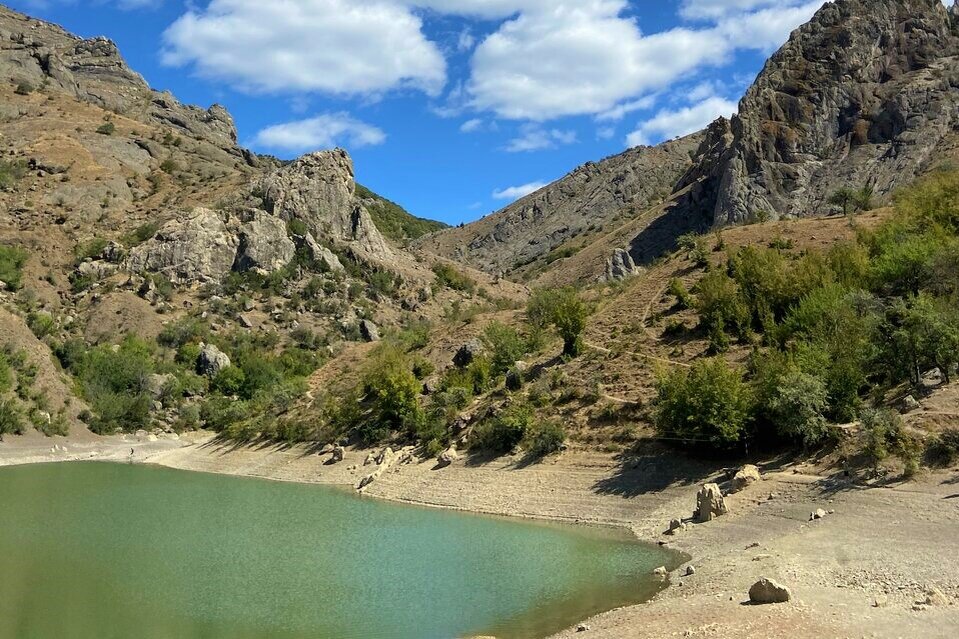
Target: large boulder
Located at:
point(710, 503)
point(264, 244)
point(196, 248)
point(767, 591)
point(746, 477)
point(211, 361)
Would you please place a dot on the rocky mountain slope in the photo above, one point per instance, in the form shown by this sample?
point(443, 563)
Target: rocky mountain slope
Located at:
point(865, 96)
point(570, 211)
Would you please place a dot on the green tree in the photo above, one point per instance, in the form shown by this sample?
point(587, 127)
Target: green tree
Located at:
point(564, 309)
point(707, 404)
point(843, 198)
point(721, 307)
point(798, 406)
point(505, 347)
point(390, 395)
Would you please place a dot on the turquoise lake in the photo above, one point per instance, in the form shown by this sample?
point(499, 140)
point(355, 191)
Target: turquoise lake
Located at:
point(102, 551)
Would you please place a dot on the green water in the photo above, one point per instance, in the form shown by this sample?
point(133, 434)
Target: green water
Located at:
point(101, 551)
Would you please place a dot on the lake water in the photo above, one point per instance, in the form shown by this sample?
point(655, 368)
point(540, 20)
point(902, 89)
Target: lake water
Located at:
point(102, 551)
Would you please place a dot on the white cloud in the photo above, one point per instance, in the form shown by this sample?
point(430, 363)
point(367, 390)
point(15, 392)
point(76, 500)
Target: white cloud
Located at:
point(669, 124)
point(517, 192)
point(620, 111)
point(321, 132)
point(533, 137)
point(331, 46)
point(471, 126)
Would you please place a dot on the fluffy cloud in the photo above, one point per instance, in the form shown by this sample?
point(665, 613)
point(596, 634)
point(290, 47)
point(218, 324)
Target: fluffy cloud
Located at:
point(669, 124)
point(578, 58)
point(331, 46)
point(517, 192)
point(536, 138)
point(320, 132)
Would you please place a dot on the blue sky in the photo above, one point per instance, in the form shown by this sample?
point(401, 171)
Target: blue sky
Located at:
point(450, 107)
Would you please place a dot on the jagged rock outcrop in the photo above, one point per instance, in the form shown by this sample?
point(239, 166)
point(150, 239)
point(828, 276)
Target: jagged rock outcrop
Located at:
point(319, 190)
point(583, 202)
point(620, 266)
point(196, 248)
point(863, 95)
point(40, 53)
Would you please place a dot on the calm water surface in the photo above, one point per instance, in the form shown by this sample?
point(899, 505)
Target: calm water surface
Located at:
point(102, 551)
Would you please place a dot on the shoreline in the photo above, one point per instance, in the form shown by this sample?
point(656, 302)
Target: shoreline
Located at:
point(862, 571)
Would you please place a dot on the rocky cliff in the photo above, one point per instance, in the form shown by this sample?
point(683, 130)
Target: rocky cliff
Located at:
point(864, 95)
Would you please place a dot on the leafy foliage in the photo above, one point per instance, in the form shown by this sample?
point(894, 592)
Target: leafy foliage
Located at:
point(12, 261)
point(707, 404)
point(394, 221)
point(563, 309)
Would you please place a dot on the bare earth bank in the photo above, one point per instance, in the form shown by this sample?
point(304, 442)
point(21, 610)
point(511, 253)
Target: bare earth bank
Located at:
point(863, 571)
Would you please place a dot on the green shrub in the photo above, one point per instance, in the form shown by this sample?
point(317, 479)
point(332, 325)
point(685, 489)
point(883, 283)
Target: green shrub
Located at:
point(221, 413)
point(721, 308)
point(113, 382)
point(12, 261)
point(678, 290)
point(230, 381)
point(943, 449)
point(390, 396)
point(449, 277)
point(798, 406)
point(502, 434)
point(11, 172)
point(707, 404)
point(545, 438)
point(505, 346)
point(42, 324)
point(107, 128)
point(884, 435)
point(24, 88)
point(186, 330)
point(141, 234)
point(11, 419)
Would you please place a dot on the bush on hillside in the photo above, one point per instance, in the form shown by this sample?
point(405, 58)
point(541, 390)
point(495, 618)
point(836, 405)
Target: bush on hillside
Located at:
point(503, 433)
point(563, 309)
point(12, 261)
point(707, 404)
point(505, 346)
point(544, 439)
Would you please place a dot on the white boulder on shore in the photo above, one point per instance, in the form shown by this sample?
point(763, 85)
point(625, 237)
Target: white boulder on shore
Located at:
point(710, 503)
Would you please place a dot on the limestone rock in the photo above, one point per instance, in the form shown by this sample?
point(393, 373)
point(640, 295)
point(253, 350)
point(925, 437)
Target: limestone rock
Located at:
point(660, 572)
point(264, 245)
point(338, 454)
point(767, 591)
point(936, 597)
point(369, 331)
point(710, 503)
point(197, 248)
point(620, 266)
point(862, 95)
point(746, 477)
point(319, 190)
point(819, 513)
point(157, 385)
point(448, 456)
point(211, 361)
point(322, 255)
point(675, 526)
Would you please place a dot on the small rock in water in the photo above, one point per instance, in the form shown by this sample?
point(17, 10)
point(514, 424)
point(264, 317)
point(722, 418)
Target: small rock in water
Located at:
point(660, 572)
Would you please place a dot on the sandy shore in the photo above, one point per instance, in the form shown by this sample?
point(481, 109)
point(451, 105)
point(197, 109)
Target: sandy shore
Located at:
point(863, 571)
